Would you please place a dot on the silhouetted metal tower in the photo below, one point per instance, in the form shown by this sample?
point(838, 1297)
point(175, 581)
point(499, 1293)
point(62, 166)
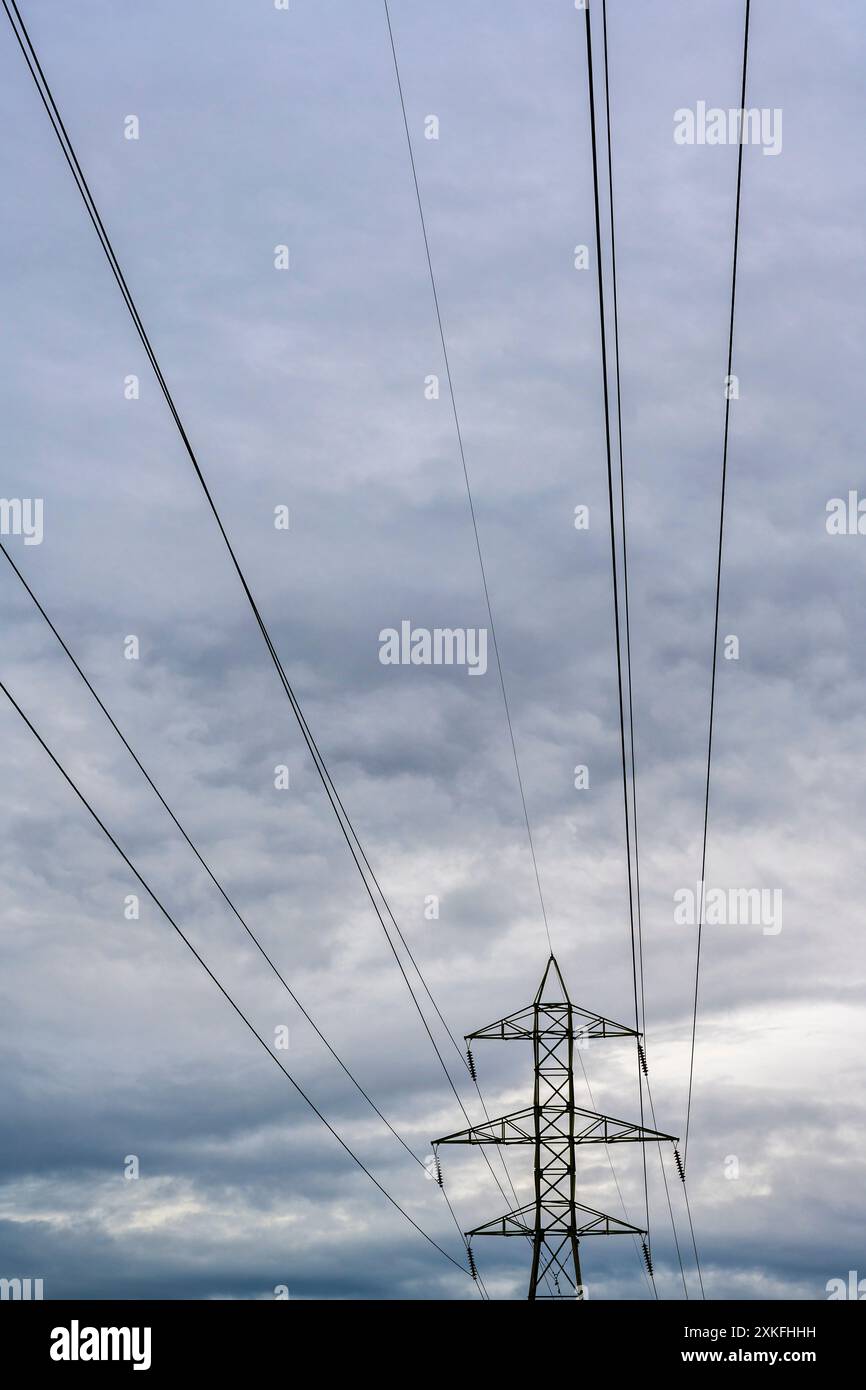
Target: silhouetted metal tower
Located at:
point(555, 1222)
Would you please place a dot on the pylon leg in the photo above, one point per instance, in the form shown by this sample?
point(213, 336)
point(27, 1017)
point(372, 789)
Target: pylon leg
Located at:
point(537, 1243)
point(578, 1277)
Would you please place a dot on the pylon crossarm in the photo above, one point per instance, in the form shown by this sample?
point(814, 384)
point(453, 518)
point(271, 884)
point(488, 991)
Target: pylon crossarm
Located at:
point(597, 1026)
point(604, 1129)
point(508, 1129)
point(588, 1222)
point(516, 1025)
point(516, 1223)
point(552, 1020)
point(554, 1119)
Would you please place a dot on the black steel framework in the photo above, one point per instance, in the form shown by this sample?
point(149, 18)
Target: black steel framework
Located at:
point(555, 1221)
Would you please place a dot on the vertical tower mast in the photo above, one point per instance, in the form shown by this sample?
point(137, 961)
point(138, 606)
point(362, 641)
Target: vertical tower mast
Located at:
point(555, 1222)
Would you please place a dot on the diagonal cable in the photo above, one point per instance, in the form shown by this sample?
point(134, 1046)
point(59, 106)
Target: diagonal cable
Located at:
point(209, 871)
point(346, 826)
point(629, 681)
point(185, 939)
point(472, 512)
point(614, 575)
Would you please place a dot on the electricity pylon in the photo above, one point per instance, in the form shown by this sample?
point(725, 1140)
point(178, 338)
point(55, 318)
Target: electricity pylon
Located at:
point(555, 1222)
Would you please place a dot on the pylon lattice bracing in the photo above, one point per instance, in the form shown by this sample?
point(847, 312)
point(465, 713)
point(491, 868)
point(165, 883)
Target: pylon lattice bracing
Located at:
point(555, 1221)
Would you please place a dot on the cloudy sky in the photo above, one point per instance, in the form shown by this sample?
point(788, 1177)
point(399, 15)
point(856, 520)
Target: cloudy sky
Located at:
point(305, 388)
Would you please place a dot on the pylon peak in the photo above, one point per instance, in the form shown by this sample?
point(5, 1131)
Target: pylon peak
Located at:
point(551, 981)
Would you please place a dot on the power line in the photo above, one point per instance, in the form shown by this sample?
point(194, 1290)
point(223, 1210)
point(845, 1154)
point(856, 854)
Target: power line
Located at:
point(669, 1203)
point(473, 516)
point(356, 849)
point(638, 912)
point(474, 519)
point(475, 529)
point(209, 871)
point(185, 939)
point(346, 826)
point(466, 478)
point(718, 575)
point(200, 857)
point(649, 1278)
point(345, 823)
point(610, 488)
point(694, 1242)
point(642, 1024)
point(623, 515)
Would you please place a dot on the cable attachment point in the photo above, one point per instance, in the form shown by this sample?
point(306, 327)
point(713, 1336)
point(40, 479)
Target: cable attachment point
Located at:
point(642, 1058)
point(470, 1062)
point(679, 1162)
point(473, 1268)
point(647, 1258)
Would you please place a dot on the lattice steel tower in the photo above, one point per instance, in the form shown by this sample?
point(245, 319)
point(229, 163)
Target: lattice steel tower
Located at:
point(555, 1222)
